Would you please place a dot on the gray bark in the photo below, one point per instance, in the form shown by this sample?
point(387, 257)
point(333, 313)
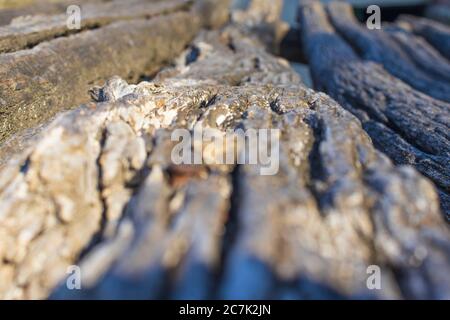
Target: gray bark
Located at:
point(21, 8)
point(377, 46)
point(425, 56)
point(99, 189)
point(28, 31)
point(408, 126)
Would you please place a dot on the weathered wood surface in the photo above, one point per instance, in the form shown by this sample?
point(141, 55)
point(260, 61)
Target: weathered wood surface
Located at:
point(425, 56)
point(435, 33)
point(55, 75)
point(376, 45)
point(13, 9)
point(410, 127)
point(31, 30)
point(273, 30)
point(99, 189)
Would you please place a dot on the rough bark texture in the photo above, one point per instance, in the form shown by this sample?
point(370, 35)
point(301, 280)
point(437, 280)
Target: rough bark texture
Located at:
point(425, 56)
point(273, 30)
point(55, 75)
point(376, 45)
point(410, 127)
point(99, 189)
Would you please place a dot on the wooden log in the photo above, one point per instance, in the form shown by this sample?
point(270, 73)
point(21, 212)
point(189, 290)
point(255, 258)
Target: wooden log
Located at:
point(39, 82)
point(376, 45)
point(408, 126)
point(439, 12)
point(14, 9)
point(149, 228)
point(28, 31)
point(435, 33)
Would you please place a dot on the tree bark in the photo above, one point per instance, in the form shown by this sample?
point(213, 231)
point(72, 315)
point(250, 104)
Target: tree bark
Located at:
point(55, 75)
point(377, 46)
point(408, 126)
point(99, 189)
point(19, 8)
point(29, 31)
point(425, 56)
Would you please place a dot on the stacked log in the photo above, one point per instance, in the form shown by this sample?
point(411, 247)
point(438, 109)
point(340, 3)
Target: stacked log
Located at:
point(407, 125)
point(435, 33)
point(376, 45)
point(54, 69)
point(99, 189)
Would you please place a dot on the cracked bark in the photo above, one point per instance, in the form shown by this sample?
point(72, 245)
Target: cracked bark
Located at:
point(99, 189)
point(378, 46)
point(408, 126)
point(39, 82)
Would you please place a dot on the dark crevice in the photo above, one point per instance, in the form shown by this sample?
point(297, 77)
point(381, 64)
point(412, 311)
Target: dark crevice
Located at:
point(360, 52)
point(98, 237)
point(231, 45)
point(386, 122)
point(316, 169)
point(208, 103)
point(192, 55)
point(275, 106)
point(94, 26)
point(33, 44)
point(256, 63)
point(231, 229)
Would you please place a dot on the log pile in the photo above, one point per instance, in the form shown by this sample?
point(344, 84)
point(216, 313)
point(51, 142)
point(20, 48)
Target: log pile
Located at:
point(378, 46)
point(97, 186)
point(11, 9)
point(407, 125)
point(55, 70)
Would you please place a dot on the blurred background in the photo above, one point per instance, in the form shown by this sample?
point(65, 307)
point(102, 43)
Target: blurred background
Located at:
point(390, 10)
